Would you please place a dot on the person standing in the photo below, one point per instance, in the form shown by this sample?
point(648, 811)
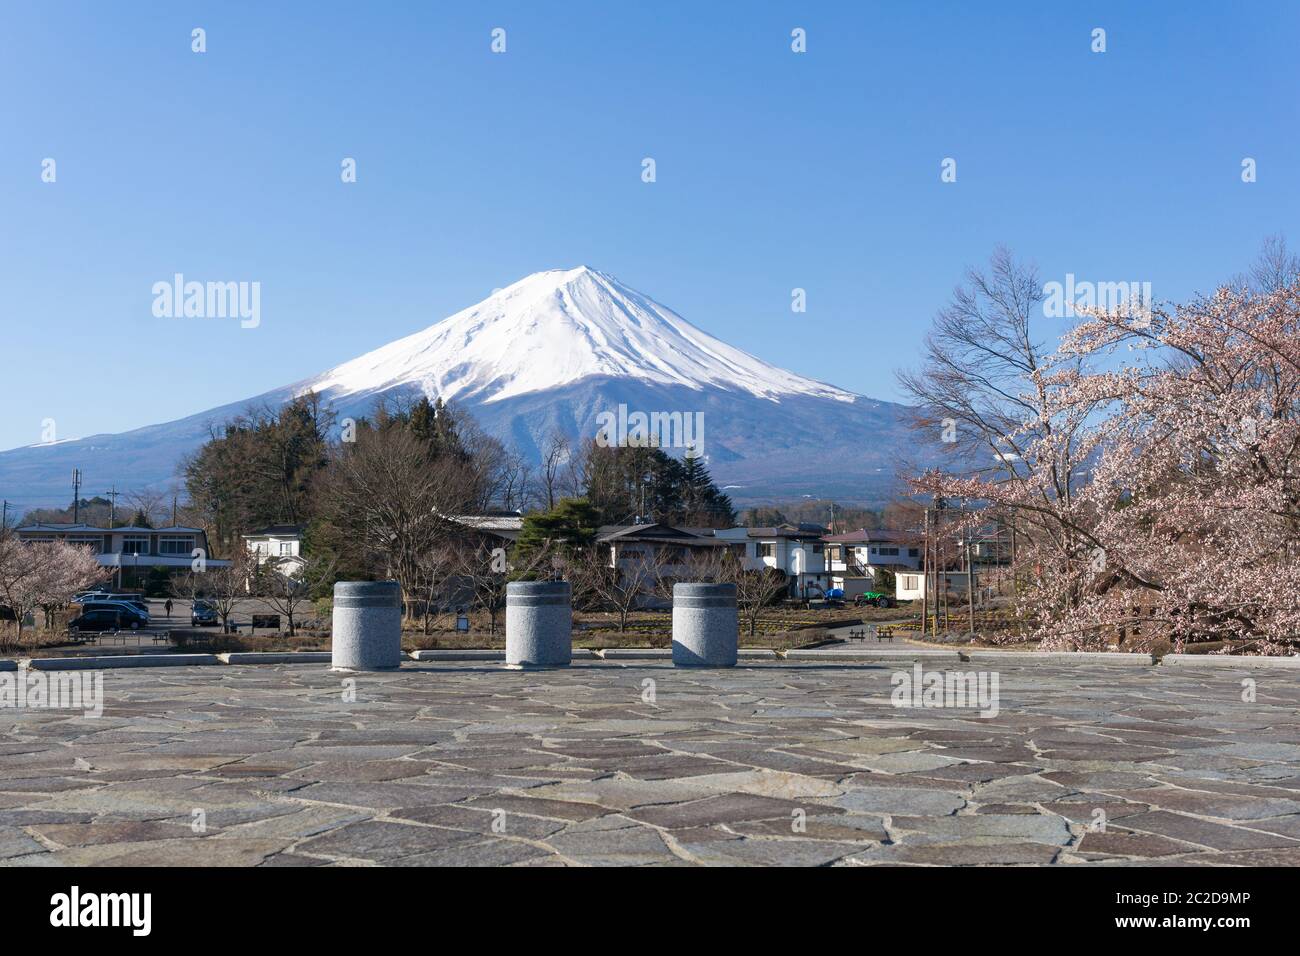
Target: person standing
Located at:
point(168, 607)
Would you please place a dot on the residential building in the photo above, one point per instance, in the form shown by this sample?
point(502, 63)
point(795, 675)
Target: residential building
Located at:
point(911, 587)
point(279, 545)
point(132, 553)
point(795, 550)
point(671, 549)
point(499, 525)
point(671, 546)
point(859, 556)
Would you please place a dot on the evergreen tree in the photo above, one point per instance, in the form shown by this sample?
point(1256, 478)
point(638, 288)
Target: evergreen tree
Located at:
point(568, 527)
point(703, 503)
point(626, 482)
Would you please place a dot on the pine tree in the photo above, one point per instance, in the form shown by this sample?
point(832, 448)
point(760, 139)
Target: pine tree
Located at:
point(570, 526)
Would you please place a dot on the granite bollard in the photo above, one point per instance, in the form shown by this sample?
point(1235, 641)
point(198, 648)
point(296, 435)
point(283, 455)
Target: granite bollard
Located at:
point(539, 624)
point(367, 626)
point(706, 631)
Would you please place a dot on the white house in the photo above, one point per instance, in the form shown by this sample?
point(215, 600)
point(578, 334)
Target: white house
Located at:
point(278, 544)
point(911, 587)
point(859, 555)
point(795, 550)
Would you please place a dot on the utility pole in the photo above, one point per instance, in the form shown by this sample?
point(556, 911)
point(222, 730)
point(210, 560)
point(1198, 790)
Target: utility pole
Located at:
point(173, 510)
point(4, 521)
point(970, 588)
point(112, 505)
point(925, 576)
point(76, 496)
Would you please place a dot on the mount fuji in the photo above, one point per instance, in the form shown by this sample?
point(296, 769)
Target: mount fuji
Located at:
point(552, 351)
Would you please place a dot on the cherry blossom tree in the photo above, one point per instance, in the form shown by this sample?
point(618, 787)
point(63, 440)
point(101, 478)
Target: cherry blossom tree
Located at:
point(1182, 517)
point(44, 574)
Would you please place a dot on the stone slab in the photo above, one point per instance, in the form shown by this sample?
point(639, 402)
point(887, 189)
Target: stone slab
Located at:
point(991, 656)
point(129, 660)
point(467, 654)
point(1225, 661)
point(839, 653)
point(293, 657)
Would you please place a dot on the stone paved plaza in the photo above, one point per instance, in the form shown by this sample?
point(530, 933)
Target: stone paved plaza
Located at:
point(779, 763)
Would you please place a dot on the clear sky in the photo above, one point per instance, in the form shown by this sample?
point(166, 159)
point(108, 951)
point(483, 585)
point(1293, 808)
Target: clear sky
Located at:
point(775, 170)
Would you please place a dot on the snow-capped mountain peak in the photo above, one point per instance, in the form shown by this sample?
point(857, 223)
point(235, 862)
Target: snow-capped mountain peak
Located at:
point(555, 328)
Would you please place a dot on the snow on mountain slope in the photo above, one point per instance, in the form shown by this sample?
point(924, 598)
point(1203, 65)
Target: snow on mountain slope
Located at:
point(552, 329)
point(550, 353)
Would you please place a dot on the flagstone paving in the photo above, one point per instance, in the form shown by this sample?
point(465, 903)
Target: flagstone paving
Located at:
point(643, 764)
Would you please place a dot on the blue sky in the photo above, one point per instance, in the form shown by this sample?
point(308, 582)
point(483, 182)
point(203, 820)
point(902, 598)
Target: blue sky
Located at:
point(775, 170)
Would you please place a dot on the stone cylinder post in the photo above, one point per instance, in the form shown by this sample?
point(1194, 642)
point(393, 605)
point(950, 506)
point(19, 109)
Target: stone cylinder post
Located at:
point(367, 625)
point(539, 624)
point(705, 628)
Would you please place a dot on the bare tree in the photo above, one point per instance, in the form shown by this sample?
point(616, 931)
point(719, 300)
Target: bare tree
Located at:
point(978, 383)
point(149, 503)
point(222, 587)
point(1277, 267)
point(618, 582)
point(433, 577)
point(555, 458)
point(287, 584)
point(515, 482)
point(756, 588)
point(388, 495)
point(484, 568)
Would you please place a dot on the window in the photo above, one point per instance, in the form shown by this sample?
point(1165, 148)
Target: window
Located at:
point(889, 552)
point(817, 549)
point(767, 549)
point(286, 548)
point(175, 545)
point(94, 542)
point(135, 544)
point(912, 552)
point(833, 552)
point(910, 582)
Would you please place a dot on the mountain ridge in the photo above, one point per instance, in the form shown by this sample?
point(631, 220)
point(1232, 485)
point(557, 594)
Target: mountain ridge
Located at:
point(548, 352)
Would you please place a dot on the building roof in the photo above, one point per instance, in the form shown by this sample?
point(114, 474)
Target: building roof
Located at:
point(277, 531)
point(117, 559)
point(788, 531)
point(91, 529)
point(878, 536)
point(492, 521)
point(654, 531)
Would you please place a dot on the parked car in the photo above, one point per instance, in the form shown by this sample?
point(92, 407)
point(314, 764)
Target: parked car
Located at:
point(125, 606)
point(108, 619)
point(94, 597)
point(203, 614)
